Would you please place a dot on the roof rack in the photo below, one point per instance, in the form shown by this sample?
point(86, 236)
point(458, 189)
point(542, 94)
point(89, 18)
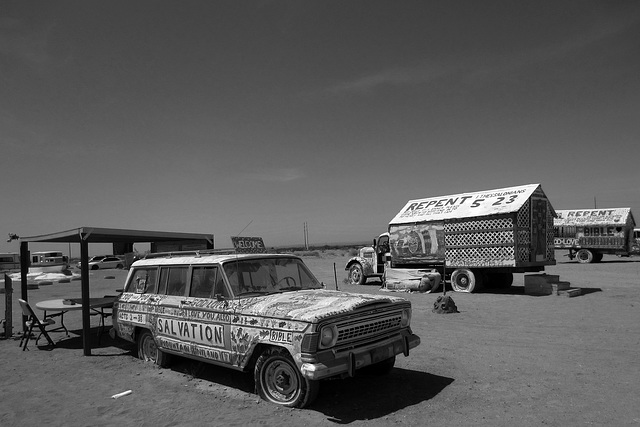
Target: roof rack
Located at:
point(188, 253)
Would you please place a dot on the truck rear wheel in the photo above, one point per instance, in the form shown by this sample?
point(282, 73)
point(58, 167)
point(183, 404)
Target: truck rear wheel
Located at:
point(465, 280)
point(356, 275)
point(585, 256)
point(597, 257)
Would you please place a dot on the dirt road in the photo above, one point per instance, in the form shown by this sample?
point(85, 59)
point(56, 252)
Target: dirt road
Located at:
point(505, 359)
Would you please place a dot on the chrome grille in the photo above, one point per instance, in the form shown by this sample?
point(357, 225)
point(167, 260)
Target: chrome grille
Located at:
point(364, 329)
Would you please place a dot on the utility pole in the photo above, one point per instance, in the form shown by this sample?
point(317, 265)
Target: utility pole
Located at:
point(306, 236)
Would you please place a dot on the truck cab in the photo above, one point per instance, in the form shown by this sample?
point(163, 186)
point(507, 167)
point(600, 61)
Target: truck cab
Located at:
point(370, 261)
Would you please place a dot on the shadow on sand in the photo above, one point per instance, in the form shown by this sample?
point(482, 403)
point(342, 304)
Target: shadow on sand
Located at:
point(364, 397)
point(369, 397)
point(97, 341)
point(519, 290)
point(613, 261)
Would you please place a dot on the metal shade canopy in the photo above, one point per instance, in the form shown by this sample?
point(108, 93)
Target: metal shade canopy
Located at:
point(86, 235)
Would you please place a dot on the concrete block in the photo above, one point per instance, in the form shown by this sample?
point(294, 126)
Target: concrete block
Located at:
point(573, 292)
point(538, 288)
point(542, 278)
point(560, 286)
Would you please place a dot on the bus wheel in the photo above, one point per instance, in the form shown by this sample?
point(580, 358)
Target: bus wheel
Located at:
point(465, 280)
point(584, 256)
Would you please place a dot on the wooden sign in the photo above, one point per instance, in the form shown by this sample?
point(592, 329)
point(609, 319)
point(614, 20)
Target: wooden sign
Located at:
point(249, 245)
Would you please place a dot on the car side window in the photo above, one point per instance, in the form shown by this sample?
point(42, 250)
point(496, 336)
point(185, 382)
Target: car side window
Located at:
point(207, 282)
point(176, 280)
point(143, 280)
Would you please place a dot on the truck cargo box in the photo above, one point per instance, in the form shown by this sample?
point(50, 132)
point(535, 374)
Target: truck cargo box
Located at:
point(588, 234)
point(507, 227)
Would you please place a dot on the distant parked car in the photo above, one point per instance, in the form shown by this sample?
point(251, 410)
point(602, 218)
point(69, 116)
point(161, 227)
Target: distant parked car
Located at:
point(93, 259)
point(106, 262)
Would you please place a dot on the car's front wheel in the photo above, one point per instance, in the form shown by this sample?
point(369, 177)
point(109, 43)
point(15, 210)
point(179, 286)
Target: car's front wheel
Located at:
point(278, 380)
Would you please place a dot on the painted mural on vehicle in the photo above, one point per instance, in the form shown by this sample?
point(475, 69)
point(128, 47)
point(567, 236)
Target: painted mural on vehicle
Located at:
point(216, 330)
point(262, 312)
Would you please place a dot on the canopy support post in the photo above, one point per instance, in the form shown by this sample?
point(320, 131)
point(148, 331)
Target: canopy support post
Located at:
point(84, 276)
point(24, 269)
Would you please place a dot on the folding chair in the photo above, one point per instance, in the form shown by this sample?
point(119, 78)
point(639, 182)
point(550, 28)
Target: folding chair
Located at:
point(32, 321)
point(103, 312)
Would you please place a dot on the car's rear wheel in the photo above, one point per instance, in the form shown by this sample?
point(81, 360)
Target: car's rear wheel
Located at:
point(356, 275)
point(278, 380)
point(149, 351)
point(119, 266)
point(94, 267)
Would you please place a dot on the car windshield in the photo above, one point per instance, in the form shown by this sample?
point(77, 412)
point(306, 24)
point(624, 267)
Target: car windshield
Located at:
point(269, 275)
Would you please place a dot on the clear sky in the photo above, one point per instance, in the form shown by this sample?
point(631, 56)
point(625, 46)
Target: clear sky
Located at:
point(218, 116)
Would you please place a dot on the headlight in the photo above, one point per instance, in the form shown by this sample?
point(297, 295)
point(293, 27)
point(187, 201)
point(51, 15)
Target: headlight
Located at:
point(328, 336)
point(406, 317)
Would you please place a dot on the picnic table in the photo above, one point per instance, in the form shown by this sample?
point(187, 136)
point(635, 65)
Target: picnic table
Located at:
point(60, 306)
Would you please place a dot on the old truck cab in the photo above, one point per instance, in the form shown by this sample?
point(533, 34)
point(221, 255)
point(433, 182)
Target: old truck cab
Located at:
point(370, 261)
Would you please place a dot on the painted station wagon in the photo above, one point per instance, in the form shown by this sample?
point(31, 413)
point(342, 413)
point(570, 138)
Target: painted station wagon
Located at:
point(260, 312)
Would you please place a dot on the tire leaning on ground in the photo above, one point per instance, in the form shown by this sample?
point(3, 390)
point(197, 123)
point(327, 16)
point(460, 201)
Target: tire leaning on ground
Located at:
point(465, 280)
point(584, 256)
point(148, 351)
point(278, 380)
point(356, 275)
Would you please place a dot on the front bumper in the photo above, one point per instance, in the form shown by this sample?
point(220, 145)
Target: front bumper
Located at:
point(348, 361)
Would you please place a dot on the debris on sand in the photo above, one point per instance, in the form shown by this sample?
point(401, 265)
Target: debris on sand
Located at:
point(444, 304)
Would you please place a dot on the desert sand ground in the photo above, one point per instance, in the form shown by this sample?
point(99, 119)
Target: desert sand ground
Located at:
point(505, 359)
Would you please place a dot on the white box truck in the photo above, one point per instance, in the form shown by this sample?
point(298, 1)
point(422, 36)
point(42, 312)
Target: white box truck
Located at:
point(472, 239)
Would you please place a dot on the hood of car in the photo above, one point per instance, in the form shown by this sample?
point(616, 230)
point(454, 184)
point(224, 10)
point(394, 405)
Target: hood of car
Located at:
point(311, 305)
